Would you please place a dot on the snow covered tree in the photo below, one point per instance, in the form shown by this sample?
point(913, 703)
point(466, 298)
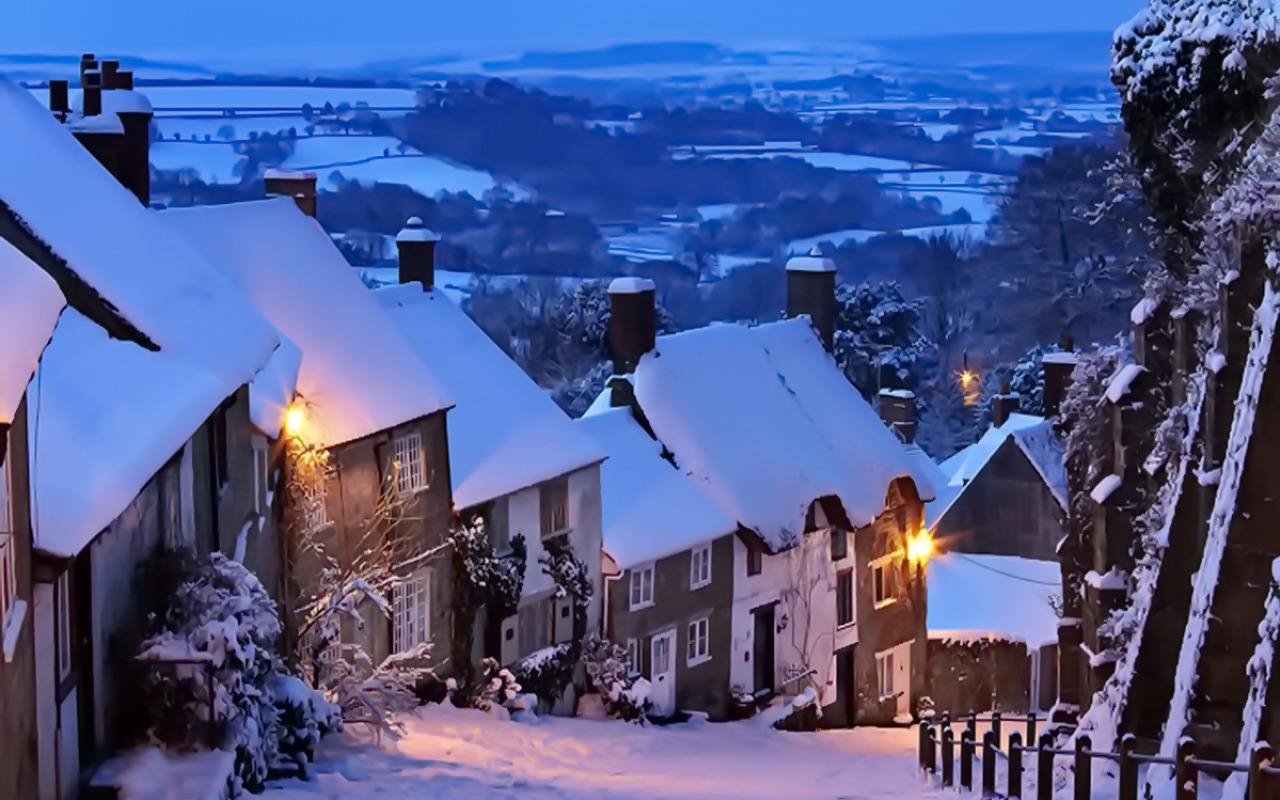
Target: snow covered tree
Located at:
point(210, 663)
point(877, 337)
point(481, 579)
point(1196, 77)
point(807, 603)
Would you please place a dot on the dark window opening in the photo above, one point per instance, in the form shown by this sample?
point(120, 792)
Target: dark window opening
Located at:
point(844, 598)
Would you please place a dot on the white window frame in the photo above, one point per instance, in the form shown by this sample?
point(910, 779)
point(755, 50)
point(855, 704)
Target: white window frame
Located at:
point(883, 593)
point(315, 512)
point(884, 675)
point(411, 612)
point(640, 598)
point(410, 469)
point(698, 642)
point(260, 473)
point(700, 567)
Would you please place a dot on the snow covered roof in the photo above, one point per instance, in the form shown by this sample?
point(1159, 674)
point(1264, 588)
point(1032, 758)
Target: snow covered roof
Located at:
point(1119, 384)
point(272, 389)
point(105, 416)
point(630, 285)
point(1033, 435)
point(766, 423)
point(30, 303)
point(814, 262)
point(649, 509)
point(505, 433)
point(148, 276)
point(1004, 596)
point(358, 374)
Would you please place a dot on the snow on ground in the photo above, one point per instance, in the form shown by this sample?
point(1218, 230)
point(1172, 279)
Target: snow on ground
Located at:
point(453, 753)
point(220, 97)
point(377, 159)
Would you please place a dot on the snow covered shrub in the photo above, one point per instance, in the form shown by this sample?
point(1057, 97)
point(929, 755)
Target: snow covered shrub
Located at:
point(376, 695)
point(303, 716)
point(496, 686)
point(209, 664)
point(547, 672)
point(481, 579)
point(608, 671)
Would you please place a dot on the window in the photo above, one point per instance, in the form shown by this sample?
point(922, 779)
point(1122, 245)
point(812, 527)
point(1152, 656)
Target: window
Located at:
point(700, 567)
point(62, 603)
point(641, 587)
point(411, 612)
point(633, 657)
point(755, 559)
point(315, 504)
point(839, 543)
point(698, 644)
point(260, 474)
point(884, 674)
point(8, 547)
point(408, 461)
point(553, 500)
point(844, 598)
point(883, 590)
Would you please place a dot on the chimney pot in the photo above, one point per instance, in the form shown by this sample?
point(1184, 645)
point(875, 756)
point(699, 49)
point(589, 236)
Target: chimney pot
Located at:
point(811, 290)
point(1058, 370)
point(109, 68)
point(416, 251)
point(1068, 344)
point(59, 97)
point(632, 322)
point(124, 79)
point(898, 411)
point(301, 186)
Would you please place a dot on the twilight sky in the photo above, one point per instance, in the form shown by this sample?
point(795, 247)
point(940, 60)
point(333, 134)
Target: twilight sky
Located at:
point(360, 30)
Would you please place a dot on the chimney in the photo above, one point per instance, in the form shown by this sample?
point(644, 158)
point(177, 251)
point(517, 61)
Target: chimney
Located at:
point(1006, 403)
point(101, 134)
point(898, 410)
point(1058, 369)
point(91, 88)
point(416, 248)
point(632, 322)
point(88, 62)
point(811, 290)
point(59, 99)
point(134, 110)
point(109, 70)
point(301, 186)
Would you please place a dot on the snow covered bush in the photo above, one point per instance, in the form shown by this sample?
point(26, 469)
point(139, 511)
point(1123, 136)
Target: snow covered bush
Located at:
point(481, 579)
point(496, 687)
point(608, 671)
point(209, 666)
point(547, 672)
point(303, 716)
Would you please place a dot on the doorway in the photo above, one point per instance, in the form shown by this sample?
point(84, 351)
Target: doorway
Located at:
point(763, 649)
point(663, 668)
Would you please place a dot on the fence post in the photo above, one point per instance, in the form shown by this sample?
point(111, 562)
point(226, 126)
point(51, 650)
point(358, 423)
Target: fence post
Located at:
point(948, 756)
point(995, 724)
point(932, 752)
point(1186, 773)
point(966, 759)
point(1015, 765)
point(972, 724)
point(1084, 775)
point(1031, 727)
point(924, 742)
point(946, 719)
point(1044, 768)
point(1259, 781)
point(989, 764)
point(1128, 768)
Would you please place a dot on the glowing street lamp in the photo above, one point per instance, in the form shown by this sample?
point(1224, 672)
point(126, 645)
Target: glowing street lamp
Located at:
point(966, 379)
point(920, 547)
point(293, 420)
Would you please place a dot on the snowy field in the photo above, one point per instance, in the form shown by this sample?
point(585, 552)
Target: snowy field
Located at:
point(452, 753)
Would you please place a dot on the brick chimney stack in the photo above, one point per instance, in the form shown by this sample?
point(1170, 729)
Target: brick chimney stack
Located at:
point(301, 186)
point(91, 93)
point(134, 111)
point(416, 250)
point(898, 410)
point(632, 322)
point(1007, 403)
point(1058, 369)
point(101, 134)
point(811, 291)
point(60, 98)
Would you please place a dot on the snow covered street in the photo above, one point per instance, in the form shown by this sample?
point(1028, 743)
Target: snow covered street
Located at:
point(454, 753)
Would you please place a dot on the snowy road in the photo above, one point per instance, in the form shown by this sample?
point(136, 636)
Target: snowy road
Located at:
point(450, 753)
